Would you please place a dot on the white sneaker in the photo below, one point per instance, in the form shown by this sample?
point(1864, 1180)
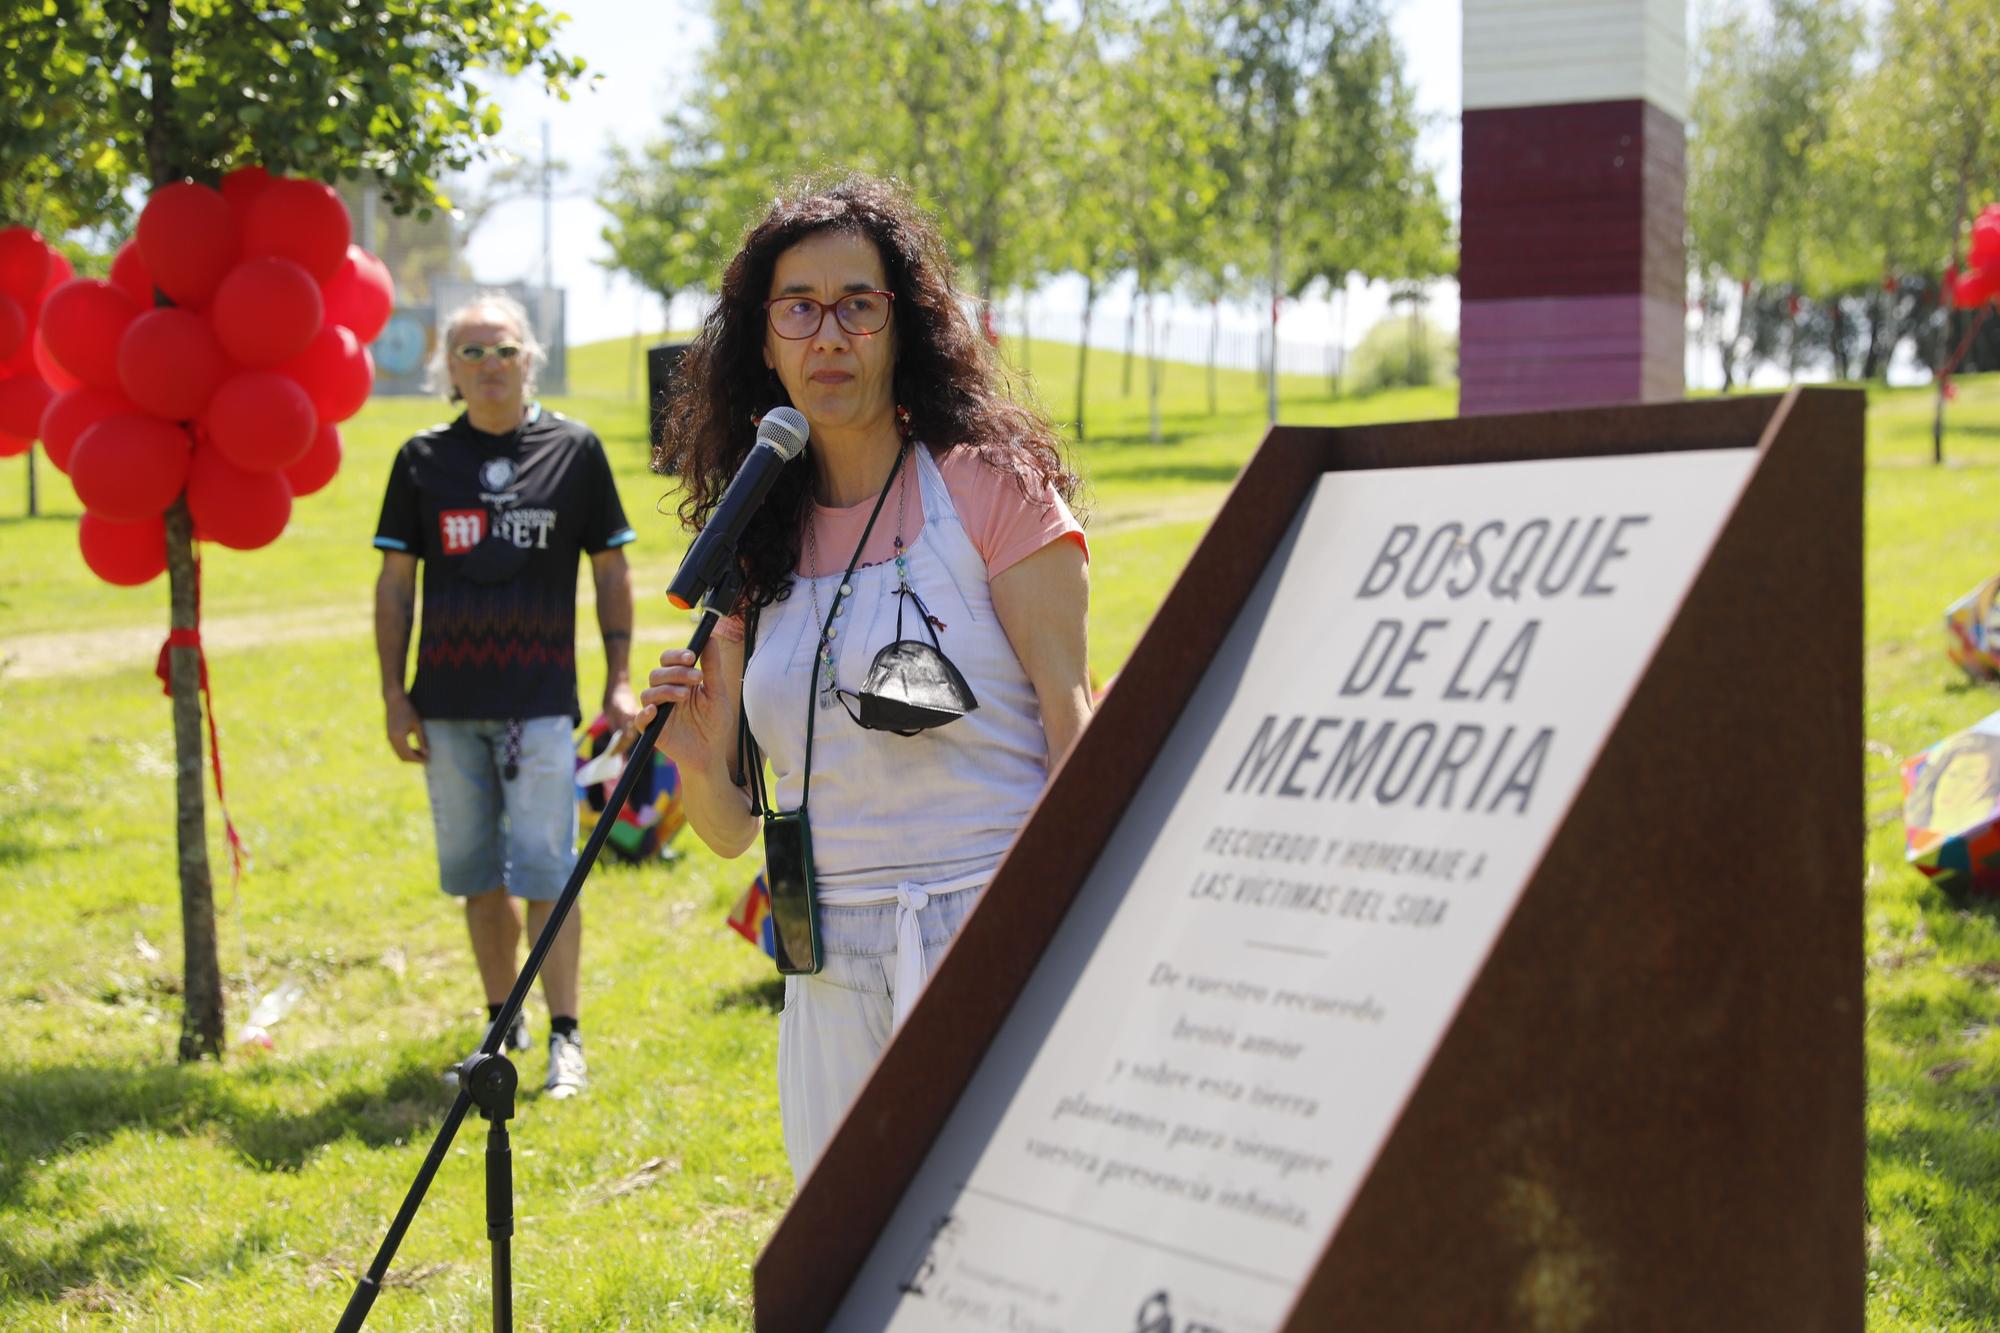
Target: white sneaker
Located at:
point(517, 1035)
point(566, 1069)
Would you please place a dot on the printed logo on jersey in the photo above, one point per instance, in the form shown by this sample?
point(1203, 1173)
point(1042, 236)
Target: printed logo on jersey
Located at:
point(496, 475)
point(461, 529)
point(526, 527)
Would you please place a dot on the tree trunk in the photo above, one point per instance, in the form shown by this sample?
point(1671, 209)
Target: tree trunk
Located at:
point(1214, 347)
point(1339, 339)
point(1277, 286)
point(1730, 344)
point(1131, 329)
point(1152, 373)
point(1026, 367)
point(1083, 352)
point(201, 981)
point(1945, 330)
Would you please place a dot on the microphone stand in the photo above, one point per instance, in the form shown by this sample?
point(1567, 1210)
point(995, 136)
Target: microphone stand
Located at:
point(486, 1078)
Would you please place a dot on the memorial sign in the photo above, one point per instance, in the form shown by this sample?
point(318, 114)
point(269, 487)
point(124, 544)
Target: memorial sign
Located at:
point(1193, 1095)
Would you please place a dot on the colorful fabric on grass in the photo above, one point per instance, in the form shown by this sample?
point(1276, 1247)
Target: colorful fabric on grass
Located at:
point(751, 917)
point(645, 828)
point(1951, 809)
point(1972, 629)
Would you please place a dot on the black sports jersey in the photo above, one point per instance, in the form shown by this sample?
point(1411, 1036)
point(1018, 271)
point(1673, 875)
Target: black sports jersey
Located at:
point(499, 521)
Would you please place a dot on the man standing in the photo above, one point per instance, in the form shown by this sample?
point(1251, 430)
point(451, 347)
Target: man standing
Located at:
point(497, 505)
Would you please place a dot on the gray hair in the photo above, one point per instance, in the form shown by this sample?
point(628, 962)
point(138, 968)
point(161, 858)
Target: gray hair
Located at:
point(437, 374)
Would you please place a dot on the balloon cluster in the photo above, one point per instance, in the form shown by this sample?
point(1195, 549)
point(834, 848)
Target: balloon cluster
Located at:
point(214, 363)
point(1980, 282)
point(29, 270)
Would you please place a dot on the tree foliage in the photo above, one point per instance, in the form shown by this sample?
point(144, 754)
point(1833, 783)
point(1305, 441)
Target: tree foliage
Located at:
point(317, 87)
point(1837, 153)
point(1167, 140)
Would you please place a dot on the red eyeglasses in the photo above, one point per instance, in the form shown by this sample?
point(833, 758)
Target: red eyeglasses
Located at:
point(796, 317)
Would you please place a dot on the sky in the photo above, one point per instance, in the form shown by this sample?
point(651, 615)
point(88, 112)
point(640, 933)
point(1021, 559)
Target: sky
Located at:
point(644, 55)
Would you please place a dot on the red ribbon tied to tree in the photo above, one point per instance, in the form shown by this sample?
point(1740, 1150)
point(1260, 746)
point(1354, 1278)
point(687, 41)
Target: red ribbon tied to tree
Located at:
point(191, 638)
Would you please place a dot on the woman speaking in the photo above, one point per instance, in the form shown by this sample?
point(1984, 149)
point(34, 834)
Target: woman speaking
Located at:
point(909, 649)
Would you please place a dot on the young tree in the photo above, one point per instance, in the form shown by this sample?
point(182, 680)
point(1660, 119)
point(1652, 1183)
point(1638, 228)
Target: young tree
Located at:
point(173, 89)
point(1765, 95)
point(1945, 58)
point(1323, 127)
point(672, 223)
point(1165, 176)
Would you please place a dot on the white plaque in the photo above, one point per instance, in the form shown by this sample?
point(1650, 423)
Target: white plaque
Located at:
point(1177, 1114)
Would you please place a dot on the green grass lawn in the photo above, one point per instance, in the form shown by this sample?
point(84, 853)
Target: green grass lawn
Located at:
point(134, 1192)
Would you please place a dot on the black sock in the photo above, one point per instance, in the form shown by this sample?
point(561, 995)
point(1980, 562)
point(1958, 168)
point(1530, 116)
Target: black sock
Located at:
point(493, 1010)
point(561, 1026)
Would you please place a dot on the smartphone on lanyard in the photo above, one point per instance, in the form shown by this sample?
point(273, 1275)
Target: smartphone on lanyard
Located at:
point(794, 906)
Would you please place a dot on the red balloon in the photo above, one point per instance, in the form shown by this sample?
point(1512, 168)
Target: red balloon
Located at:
point(260, 421)
point(187, 238)
point(361, 295)
point(82, 322)
point(266, 311)
point(125, 554)
point(129, 468)
point(316, 469)
point(240, 509)
point(299, 220)
point(130, 275)
point(60, 272)
point(241, 186)
point(70, 414)
point(1985, 251)
point(11, 445)
point(22, 401)
point(1975, 289)
point(13, 327)
point(336, 373)
point(170, 363)
point(41, 364)
point(24, 264)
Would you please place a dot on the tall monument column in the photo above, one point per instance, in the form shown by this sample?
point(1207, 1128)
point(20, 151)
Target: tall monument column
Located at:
point(1571, 252)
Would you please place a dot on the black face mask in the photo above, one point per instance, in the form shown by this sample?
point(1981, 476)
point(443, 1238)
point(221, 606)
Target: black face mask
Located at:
point(911, 686)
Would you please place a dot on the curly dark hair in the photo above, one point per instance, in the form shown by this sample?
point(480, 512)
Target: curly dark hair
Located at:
point(947, 376)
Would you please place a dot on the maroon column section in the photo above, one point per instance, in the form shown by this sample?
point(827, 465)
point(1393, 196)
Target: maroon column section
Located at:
point(1571, 256)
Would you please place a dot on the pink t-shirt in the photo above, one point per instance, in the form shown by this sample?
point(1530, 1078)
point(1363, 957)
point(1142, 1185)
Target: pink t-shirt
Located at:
point(1005, 527)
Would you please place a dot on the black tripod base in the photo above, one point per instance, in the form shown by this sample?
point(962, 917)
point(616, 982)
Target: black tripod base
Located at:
point(490, 1080)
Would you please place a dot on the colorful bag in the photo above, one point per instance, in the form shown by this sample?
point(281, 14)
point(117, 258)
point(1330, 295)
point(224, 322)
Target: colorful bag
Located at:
point(645, 828)
point(1951, 809)
point(1972, 627)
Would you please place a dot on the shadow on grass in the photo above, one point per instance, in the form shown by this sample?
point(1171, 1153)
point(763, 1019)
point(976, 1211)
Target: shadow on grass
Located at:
point(19, 846)
point(1940, 1167)
point(767, 994)
point(51, 1112)
point(111, 1251)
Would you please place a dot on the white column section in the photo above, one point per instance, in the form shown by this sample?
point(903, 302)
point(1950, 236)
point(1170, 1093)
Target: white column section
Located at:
point(1551, 52)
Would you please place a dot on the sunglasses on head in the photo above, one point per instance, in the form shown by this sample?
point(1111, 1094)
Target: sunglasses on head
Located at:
point(474, 353)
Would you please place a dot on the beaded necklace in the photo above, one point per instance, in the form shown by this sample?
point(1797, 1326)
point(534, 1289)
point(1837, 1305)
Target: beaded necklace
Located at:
point(829, 623)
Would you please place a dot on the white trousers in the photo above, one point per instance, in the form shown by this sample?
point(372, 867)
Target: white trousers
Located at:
point(879, 949)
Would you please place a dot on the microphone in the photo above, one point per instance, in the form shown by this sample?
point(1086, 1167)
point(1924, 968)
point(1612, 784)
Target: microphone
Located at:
point(781, 435)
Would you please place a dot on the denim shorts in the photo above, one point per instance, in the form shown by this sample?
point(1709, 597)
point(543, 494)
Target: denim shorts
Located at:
point(493, 831)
